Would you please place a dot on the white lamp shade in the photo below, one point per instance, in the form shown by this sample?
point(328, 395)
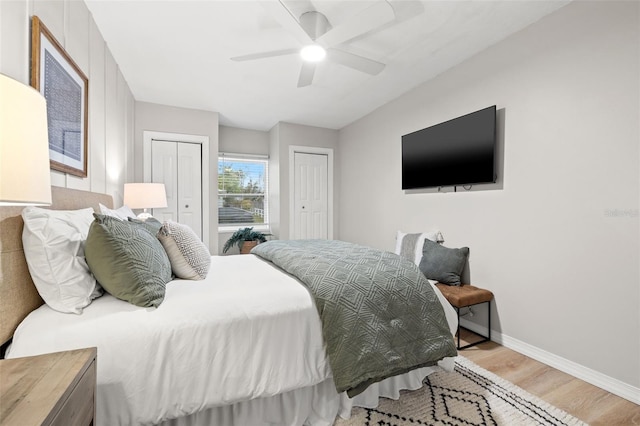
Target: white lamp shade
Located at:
point(25, 178)
point(145, 195)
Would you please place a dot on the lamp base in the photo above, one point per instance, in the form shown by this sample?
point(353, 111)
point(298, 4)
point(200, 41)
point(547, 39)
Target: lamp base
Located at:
point(144, 216)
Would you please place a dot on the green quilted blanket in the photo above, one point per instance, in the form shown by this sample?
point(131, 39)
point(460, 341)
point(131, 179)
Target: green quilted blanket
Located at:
point(380, 316)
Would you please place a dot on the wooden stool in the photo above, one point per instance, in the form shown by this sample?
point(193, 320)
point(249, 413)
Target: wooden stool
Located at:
point(465, 296)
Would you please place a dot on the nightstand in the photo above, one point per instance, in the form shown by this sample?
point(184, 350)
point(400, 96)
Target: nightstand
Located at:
point(51, 389)
point(464, 296)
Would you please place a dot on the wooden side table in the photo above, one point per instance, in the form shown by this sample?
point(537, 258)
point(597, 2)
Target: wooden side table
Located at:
point(51, 389)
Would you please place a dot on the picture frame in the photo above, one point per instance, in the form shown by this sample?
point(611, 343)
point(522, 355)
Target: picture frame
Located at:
point(65, 87)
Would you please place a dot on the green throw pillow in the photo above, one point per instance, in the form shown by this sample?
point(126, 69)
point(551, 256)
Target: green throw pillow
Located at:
point(443, 264)
point(152, 224)
point(127, 260)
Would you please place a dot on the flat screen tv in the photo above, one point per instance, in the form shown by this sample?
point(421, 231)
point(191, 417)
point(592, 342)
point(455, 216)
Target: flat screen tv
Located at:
point(457, 152)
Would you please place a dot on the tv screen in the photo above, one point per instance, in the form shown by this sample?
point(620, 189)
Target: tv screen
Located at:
point(457, 152)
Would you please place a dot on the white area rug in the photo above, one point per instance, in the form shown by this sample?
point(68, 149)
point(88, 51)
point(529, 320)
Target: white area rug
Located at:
point(470, 395)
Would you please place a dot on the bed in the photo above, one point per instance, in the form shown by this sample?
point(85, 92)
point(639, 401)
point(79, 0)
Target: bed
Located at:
point(243, 347)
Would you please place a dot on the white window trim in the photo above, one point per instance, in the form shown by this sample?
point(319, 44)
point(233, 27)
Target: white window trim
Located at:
point(260, 227)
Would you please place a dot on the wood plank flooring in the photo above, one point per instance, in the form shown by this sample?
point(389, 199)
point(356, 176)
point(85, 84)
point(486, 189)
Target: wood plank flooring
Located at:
point(589, 403)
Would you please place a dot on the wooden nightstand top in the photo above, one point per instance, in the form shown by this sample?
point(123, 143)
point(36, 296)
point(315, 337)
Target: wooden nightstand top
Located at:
point(34, 390)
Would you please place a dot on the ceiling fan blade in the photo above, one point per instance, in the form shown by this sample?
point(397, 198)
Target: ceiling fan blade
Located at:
point(306, 74)
point(354, 61)
point(369, 19)
point(285, 18)
point(407, 9)
point(261, 55)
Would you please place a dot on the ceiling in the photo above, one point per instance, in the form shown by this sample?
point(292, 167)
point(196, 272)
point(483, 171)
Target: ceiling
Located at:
point(177, 52)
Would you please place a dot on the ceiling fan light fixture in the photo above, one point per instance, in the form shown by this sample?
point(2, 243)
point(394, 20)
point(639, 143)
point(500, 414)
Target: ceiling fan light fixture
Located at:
point(313, 53)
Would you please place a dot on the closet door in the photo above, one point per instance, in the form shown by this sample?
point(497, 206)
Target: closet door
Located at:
point(310, 196)
point(179, 166)
point(164, 169)
point(189, 200)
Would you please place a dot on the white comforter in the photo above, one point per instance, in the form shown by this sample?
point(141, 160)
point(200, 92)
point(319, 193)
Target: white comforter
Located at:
point(247, 331)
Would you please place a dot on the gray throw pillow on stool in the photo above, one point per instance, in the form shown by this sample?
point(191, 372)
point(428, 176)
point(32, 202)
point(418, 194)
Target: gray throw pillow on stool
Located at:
point(443, 264)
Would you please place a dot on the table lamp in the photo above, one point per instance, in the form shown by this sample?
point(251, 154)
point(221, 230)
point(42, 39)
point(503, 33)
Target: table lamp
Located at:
point(145, 196)
point(25, 179)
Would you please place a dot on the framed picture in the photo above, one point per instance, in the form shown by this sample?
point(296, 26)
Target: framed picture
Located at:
point(65, 87)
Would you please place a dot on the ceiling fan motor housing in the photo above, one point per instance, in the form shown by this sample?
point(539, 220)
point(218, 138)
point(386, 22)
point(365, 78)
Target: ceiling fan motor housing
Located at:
point(315, 24)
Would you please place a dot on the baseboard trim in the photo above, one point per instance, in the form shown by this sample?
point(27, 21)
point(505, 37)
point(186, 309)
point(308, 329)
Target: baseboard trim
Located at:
point(615, 386)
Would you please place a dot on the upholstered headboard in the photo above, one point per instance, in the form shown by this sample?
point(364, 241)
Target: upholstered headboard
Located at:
point(18, 295)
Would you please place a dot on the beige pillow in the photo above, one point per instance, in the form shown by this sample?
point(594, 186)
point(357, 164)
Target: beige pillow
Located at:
point(410, 246)
point(190, 259)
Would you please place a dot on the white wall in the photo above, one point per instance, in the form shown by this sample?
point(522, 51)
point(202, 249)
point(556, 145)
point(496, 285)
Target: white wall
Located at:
point(557, 239)
point(162, 118)
point(110, 99)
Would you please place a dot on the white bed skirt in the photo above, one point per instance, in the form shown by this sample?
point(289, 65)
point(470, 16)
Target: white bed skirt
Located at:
point(311, 406)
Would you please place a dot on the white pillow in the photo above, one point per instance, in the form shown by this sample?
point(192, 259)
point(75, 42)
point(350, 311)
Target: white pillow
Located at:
point(410, 245)
point(190, 259)
point(53, 243)
point(122, 213)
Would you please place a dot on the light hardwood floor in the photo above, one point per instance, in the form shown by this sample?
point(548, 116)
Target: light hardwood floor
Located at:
point(578, 398)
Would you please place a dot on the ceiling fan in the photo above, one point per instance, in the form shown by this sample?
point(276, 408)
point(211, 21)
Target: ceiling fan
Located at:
point(318, 38)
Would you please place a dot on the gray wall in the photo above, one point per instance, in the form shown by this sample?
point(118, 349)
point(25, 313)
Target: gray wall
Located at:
point(276, 144)
point(111, 104)
point(557, 239)
point(282, 136)
point(162, 118)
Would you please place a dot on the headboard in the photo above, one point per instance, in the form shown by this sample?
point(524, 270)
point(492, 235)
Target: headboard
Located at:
point(18, 294)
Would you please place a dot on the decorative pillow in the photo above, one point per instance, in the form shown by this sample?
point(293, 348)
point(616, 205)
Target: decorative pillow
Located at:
point(127, 260)
point(443, 264)
point(122, 213)
point(53, 243)
point(152, 224)
point(410, 246)
point(190, 258)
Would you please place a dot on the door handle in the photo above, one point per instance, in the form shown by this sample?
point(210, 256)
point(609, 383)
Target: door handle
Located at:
point(186, 206)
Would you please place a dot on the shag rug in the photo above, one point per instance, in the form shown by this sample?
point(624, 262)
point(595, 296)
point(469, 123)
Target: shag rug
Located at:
point(470, 395)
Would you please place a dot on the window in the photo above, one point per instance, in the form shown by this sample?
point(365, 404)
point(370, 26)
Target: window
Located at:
point(242, 191)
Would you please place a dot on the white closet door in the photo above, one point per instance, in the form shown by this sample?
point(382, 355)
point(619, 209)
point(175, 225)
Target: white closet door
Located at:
point(310, 196)
point(179, 166)
point(190, 186)
point(164, 169)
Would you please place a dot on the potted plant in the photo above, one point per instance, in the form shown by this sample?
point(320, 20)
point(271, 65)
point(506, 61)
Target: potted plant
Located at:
point(245, 239)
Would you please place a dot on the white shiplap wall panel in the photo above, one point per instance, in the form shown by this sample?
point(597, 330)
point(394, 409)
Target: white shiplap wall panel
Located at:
point(52, 15)
point(74, 28)
point(97, 148)
point(77, 34)
point(120, 148)
point(130, 128)
point(112, 152)
point(77, 46)
point(14, 40)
